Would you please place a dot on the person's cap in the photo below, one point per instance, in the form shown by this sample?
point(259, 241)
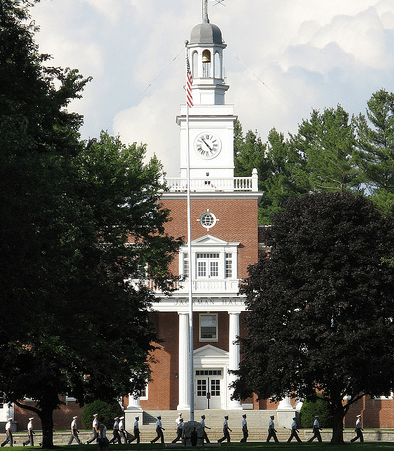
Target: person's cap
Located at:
point(121, 418)
point(202, 416)
point(74, 418)
point(116, 418)
point(32, 418)
point(158, 416)
point(316, 416)
point(95, 415)
point(180, 413)
point(226, 416)
point(244, 415)
point(272, 416)
point(137, 418)
point(9, 419)
point(358, 416)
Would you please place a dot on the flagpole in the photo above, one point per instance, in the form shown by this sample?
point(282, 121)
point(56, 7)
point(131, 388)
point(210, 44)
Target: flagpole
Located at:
point(189, 102)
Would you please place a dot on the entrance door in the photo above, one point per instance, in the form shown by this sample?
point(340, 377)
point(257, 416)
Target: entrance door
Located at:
point(208, 389)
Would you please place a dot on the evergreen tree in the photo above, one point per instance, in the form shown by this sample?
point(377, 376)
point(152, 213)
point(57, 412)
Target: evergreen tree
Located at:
point(375, 141)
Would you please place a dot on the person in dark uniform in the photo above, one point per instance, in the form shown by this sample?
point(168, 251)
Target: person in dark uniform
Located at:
point(74, 432)
point(8, 433)
point(202, 422)
point(159, 431)
point(179, 431)
point(272, 430)
point(294, 431)
point(316, 430)
point(244, 426)
point(95, 429)
point(359, 431)
point(226, 429)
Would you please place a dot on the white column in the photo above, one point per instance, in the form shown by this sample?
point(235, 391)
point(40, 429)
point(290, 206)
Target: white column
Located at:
point(234, 356)
point(183, 366)
point(134, 403)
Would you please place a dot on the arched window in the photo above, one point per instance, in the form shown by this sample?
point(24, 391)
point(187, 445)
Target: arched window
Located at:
point(195, 65)
point(218, 65)
point(206, 63)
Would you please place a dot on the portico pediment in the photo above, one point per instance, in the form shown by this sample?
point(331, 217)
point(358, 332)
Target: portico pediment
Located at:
point(209, 240)
point(209, 356)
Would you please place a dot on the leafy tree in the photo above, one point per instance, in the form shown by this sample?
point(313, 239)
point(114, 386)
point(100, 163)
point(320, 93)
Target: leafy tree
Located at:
point(312, 407)
point(107, 410)
point(327, 144)
point(320, 308)
point(80, 222)
point(375, 141)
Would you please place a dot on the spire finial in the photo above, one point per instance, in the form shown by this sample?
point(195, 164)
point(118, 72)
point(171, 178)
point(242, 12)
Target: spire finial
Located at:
point(205, 18)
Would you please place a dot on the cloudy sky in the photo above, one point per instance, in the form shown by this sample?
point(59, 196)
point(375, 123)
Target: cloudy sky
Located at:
point(283, 58)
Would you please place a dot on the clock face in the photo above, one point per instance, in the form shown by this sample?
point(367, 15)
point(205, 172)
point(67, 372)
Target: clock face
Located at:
point(207, 145)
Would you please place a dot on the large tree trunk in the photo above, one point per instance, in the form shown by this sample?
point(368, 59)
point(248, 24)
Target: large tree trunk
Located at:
point(46, 416)
point(337, 432)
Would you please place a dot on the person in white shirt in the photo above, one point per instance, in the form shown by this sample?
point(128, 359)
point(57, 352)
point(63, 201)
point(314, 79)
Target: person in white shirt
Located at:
point(30, 433)
point(272, 430)
point(8, 433)
point(359, 430)
point(294, 431)
point(226, 429)
point(159, 431)
point(95, 427)
point(202, 422)
point(74, 432)
point(136, 430)
point(179, 431)
point(244, 425)
point(122, 431)
point(316, 430)
point(115, 432)
point(178, 419)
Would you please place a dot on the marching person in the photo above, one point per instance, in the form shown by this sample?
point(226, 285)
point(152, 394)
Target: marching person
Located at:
point(122, 431)
point(136, 430)
point(102, 436)
point(74, 432)
point(159, 431)
point(30, 433)
point(316, 430)
point(226, 429)
point(244, 425)
point(294, 431)
point(272, 430)
point(359, 430)
point(115, 432)
point(95, 428)
point(178, 419)
point(179, 431)
point(8, 433)
point(202, 422)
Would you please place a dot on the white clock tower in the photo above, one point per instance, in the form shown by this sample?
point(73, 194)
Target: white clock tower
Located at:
point(211, 121)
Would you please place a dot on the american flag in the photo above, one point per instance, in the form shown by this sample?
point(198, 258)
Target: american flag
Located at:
point(189, 82)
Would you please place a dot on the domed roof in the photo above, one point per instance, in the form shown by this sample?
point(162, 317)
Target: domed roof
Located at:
point(206, 33)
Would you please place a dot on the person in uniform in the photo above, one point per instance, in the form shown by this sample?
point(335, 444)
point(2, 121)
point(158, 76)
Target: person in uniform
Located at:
point(359, 431)
point(272, 430)
point(136, 430)
point(178, 419)
point(159, 431)
point(8, 433)
point(95, 427)
point(102, 436)
point(244, 425)
point(179, 431)
point(202, 422)
point(316, 430)
point(294, 431)
point(122, 431)
point(74, 432)
point(115, 432)
point(30, 433)
point(226, 429)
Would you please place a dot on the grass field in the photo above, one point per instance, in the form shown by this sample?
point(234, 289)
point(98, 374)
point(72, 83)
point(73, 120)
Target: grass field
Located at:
point(294, 446)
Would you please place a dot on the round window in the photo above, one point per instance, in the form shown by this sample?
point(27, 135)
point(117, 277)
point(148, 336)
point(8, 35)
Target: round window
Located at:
point(208, 220)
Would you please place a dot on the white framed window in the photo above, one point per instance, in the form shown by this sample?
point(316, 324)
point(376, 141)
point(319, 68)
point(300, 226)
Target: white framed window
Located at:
point(207, 264)
point(208, 327)
point(229, 265)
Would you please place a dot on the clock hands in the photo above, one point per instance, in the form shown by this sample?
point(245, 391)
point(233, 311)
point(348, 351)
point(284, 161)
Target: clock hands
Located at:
point(209, 147)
